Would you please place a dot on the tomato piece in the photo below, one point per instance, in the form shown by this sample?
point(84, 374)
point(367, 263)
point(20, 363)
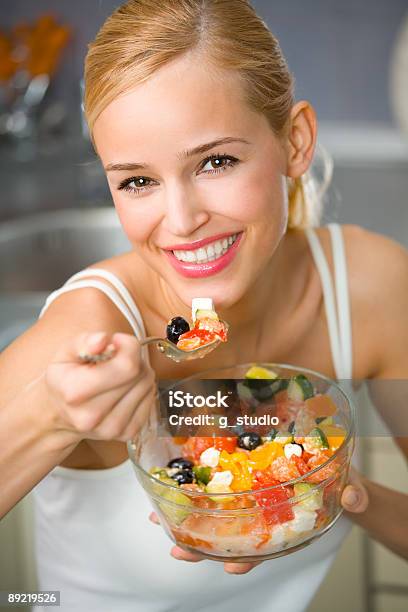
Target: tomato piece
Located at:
point(264, 478)
point(227, 443)
point(325, 472)
point(300, 464)
point(195, 338)
point(283, 469)
point(213, 325)
point(275, 509)
point(194, 446)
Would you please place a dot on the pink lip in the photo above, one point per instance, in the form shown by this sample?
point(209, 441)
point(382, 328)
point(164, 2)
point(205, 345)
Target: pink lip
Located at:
point(192, 246)
point(191, 270)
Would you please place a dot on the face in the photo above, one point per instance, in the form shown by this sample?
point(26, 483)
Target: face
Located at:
point(197, 179)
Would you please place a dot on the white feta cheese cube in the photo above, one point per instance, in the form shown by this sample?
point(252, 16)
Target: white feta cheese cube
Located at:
point(210, 457)
point(292, 449)
point(200, 304)
point(222, 478)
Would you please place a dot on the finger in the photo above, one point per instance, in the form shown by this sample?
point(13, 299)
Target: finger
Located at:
point(112, 414)
point(154, 518)
point(184, 555)
point(129, 414)
point(86, 382)
point(87, 342)
point(240, 568)
point(354, 498)
point(140, 417)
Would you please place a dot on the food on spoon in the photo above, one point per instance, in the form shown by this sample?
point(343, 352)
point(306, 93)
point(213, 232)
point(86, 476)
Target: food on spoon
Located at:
point(175, 328)
point(206, 327)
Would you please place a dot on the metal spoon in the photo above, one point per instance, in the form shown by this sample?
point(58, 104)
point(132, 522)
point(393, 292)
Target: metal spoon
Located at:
point(166, 347)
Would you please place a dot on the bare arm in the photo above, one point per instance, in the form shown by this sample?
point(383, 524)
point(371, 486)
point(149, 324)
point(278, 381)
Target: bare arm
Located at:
point(31, 445)
point(47, 409)
point(385, 294)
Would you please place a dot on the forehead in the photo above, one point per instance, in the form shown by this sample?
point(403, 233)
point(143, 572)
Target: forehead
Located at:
point(183, 104)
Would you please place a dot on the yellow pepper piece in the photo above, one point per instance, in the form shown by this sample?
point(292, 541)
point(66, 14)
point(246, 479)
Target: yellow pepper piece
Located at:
point(335, 436)
point(261, 458)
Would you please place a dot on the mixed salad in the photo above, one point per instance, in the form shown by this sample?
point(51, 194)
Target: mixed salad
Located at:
point(270, 512)
point(206, 327)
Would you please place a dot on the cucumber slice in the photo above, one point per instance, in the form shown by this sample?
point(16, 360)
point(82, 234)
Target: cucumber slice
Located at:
point(314, 501)
point(174, 514)
point(206, 314)
point(159, 472)
point(320, 437)
point(324, 420)
point(300, 388)
point(219, 488)
point(244, 391)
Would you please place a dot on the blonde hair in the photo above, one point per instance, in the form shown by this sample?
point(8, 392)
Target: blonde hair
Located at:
point(143, 35)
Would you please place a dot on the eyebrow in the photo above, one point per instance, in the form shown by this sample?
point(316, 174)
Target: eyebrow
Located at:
point(203, 148)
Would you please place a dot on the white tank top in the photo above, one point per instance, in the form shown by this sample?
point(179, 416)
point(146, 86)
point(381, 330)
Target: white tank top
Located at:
point(95, 544)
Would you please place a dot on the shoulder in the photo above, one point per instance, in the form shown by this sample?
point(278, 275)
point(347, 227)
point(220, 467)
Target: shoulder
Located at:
point(90, 303)
point(378, 283)
point(377, 266)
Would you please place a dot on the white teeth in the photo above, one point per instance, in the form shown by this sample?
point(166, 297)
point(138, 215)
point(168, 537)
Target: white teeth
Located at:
point(201, 254)
point(189, 256)
point(208, 253)
point(218, 247)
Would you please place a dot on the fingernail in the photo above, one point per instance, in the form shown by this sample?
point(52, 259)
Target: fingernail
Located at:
point(352, 497)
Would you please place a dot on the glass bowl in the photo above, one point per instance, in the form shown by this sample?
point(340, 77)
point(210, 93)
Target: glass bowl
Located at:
point(253, 524)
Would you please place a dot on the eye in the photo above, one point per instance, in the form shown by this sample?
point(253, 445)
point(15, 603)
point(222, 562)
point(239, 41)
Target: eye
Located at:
point(136, 184)
point(218, 163)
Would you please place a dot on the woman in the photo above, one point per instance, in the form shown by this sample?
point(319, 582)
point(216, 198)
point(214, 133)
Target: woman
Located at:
point(191, 110)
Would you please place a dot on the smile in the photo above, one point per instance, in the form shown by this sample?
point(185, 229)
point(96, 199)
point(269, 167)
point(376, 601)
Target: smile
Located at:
point(208, 258)
point(209, 252)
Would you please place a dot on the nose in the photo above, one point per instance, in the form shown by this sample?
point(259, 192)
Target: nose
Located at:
point(184, 212)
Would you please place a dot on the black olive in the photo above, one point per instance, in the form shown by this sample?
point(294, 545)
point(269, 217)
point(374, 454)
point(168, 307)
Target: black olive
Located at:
point(175, 328)
point(184, 476)
point(249, 440)
point(180, 463)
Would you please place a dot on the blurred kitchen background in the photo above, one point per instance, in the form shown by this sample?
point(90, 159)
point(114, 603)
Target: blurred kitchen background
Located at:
point(350, 59)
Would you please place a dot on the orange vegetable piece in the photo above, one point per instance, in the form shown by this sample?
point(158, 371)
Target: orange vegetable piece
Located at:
point(283, 469)
point(321, 405)
point(261, 457)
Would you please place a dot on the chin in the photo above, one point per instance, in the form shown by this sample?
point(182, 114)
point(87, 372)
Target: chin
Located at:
point(225, 293)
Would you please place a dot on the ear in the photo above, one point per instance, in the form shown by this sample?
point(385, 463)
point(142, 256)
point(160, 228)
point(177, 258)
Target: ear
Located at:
point(301, 139)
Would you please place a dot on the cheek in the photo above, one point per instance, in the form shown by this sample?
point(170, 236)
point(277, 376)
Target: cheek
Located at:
point(136, 218)
point(262, 198)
